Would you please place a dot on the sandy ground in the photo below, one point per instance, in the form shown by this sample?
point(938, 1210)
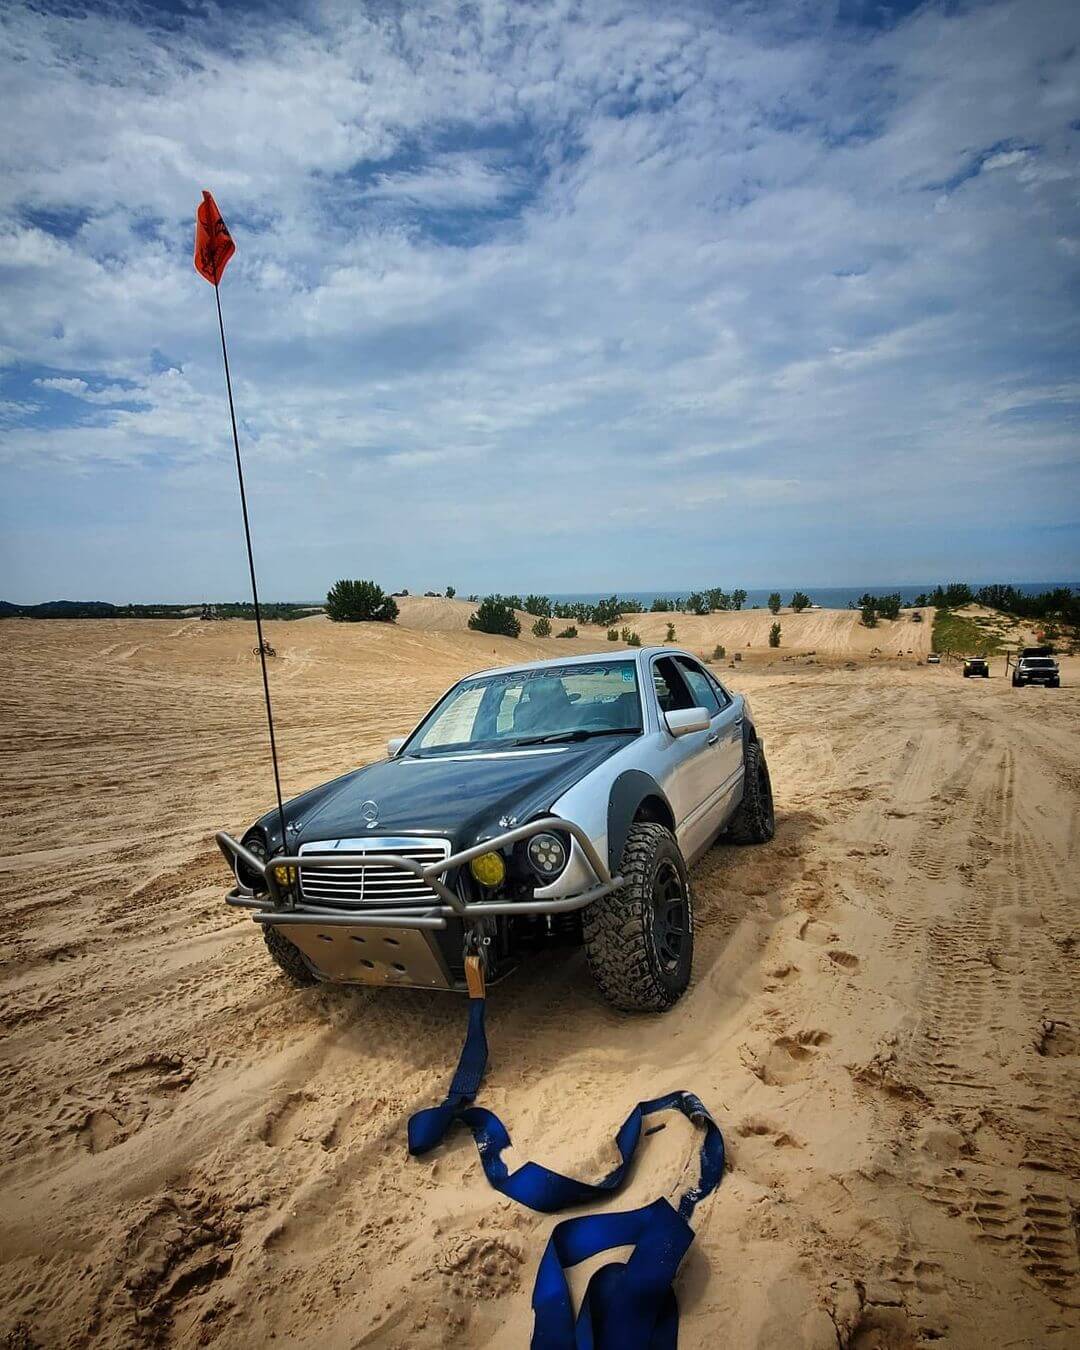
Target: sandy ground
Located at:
point(883, 1016)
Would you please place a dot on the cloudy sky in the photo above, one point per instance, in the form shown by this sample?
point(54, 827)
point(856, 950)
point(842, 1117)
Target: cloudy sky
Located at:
point(619, 293)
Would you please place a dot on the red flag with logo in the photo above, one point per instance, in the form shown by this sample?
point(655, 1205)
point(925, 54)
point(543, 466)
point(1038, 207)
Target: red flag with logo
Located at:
point(213, 243)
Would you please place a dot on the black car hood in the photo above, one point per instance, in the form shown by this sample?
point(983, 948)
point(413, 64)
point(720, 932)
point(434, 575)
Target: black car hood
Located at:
point(460, 798)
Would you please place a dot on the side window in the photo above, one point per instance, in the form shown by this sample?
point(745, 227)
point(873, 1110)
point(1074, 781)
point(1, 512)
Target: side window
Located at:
point(721, 693)
point(672, 691)
point(700, 686)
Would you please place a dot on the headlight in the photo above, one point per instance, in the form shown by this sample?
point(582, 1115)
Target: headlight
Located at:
point(254, 881)
point(489, 869)
point(547, 854)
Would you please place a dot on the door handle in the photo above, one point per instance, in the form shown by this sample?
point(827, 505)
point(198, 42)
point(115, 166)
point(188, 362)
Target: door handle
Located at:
point(713, 738)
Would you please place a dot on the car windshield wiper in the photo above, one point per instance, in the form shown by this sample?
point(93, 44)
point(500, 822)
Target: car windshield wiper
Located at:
point(581, 734)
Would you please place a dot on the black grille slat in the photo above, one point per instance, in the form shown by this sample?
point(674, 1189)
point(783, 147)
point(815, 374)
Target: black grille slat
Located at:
point(364, 887)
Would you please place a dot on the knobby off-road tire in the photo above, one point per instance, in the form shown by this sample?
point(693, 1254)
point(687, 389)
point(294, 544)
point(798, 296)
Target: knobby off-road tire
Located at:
point(754, 822)
point(288, 956)
point(640, 939)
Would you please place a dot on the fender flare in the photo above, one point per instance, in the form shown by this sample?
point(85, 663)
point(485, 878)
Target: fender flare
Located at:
point(627, 793)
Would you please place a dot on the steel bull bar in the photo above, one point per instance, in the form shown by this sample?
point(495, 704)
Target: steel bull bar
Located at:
point(286, 906)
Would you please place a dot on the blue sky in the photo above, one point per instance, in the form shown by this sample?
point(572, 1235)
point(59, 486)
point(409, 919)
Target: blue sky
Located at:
point(554, 296)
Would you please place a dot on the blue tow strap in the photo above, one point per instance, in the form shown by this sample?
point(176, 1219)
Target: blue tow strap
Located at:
point(627, 1306)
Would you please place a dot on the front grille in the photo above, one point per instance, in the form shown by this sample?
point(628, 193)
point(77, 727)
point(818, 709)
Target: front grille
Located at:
point(371, 886)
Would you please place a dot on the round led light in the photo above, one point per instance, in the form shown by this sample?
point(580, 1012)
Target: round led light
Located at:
point(547, 853)
point(489, 869)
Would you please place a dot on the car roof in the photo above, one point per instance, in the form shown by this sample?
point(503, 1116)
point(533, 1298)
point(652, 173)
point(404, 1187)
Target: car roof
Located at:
point(584, 659)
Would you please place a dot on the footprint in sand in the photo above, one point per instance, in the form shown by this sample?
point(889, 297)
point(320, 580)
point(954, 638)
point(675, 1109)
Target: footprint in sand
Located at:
point(788, 1058)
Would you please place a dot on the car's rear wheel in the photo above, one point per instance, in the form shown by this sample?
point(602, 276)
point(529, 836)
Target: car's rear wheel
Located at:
point(288, 956)
point(755, 820)
point(640, 939)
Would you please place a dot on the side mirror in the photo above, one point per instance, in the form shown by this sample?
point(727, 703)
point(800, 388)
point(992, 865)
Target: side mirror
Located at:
point(684, 721)
point(393, 745)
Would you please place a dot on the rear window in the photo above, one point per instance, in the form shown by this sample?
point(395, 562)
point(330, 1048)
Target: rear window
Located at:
point(1039, 661)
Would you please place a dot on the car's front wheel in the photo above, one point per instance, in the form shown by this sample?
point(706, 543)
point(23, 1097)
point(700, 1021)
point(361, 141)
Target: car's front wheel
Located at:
point(288, 956)
point(640, 939)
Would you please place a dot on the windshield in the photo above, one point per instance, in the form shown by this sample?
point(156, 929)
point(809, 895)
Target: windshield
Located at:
point(529, 707)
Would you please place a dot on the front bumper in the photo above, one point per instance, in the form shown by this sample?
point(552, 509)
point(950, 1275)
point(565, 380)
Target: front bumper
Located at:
point(286, 909)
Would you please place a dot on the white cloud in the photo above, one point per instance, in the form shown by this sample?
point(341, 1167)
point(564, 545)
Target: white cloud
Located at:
point(580, 249)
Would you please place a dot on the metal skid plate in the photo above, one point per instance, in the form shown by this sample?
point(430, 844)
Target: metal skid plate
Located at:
point(401, 956)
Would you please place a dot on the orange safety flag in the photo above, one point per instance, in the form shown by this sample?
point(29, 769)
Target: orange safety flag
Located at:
point(213, 243)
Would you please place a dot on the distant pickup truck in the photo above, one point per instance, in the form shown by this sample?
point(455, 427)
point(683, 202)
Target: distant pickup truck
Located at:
point(1036, 665)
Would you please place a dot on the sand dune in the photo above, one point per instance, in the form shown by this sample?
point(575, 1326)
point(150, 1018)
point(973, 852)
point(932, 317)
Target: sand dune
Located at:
point(832, 632)
point(883, 1016)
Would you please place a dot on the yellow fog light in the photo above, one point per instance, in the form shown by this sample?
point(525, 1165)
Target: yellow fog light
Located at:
point(285, 876)
point(489, 869)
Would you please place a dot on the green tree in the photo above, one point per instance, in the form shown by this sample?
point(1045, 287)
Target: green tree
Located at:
point(775, 602)
point(496, 615)
point(738, 599)
point(717, 598)
point(660, 606)
point(774, 635)
point(670, 635)
point(697, 603)
point(542, 627)
point(359, 602)
point(538, 604)
point(869, 615)
point(800, 601)
point(605, 612)
point(451, 591)
point(888, 606)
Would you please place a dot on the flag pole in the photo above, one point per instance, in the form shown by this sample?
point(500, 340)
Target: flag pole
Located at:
point(251, 568)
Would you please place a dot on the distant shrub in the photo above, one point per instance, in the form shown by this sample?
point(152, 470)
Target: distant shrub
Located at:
point(869, 615)
point(800, 601)
point(605, 611)
point(633, 640)
point(775, 602)
point(613, 635)
point(538, 604)
point(660, 606)
point(542, 628)
point(738, 599)
point(568, 632)
point(359, 602)
point(774, 635)
point(670, 634)
point(451, 591)
point(496, 615)
point(719, 652)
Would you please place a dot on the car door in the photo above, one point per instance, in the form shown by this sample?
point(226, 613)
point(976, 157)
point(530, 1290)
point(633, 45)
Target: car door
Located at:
point(723, 757)
point(689, 776)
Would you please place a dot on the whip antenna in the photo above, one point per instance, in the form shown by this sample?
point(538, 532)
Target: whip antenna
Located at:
point(213, 248)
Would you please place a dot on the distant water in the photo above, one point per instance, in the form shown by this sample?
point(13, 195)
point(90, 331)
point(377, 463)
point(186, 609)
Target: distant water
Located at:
point(829, 597)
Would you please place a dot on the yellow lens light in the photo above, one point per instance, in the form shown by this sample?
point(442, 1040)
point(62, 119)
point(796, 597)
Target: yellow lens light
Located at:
point(285, 876)
point(489, 869)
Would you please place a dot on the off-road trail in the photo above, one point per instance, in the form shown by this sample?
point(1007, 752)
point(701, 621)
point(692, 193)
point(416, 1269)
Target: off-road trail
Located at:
point(883, 1018)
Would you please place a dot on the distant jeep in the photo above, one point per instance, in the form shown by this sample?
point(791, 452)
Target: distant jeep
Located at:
point(976, 665)
point(1036, 665)
point(556, 803)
